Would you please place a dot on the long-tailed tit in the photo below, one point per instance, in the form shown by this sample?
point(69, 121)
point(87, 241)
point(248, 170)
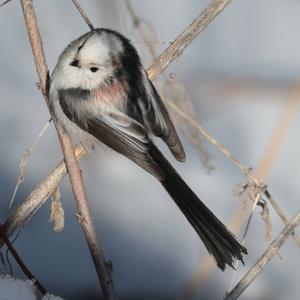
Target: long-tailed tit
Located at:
point(100, 93)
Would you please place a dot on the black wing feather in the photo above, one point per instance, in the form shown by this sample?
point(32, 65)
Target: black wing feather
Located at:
point(157, 119)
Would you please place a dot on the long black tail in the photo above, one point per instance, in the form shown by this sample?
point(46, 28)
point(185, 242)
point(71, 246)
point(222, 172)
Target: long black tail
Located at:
point(218, 240)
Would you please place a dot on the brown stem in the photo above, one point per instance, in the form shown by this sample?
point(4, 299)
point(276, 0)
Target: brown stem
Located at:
point(20, 262)
point(34, 201)
point(72, 166)
point(154, 71)
point(187, 36)
point(83, 14)
point(271, 251)
point(40, 193)
point(38, 196)
point(5, 2)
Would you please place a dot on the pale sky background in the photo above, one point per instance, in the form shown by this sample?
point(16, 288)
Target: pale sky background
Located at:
point(153, 248)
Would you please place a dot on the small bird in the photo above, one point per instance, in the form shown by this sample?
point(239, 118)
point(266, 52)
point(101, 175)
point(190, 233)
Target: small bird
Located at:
point(101, 94)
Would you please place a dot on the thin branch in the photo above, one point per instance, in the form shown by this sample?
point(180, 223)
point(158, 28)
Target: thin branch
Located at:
point(179, 93)
point(187, 36)
point(38, 196)
point(33, 202)
point(20, 262)
point(206, 266)
point(5, 2)
point(137, 23)
point(259, 183)
point(23, 162)
point(228, 154)
point(281, 215)
point(84, 213)
point(211, 139)
point(271, 251)
point(174, 51)
point(83, 14)
point(34, 205)
point(236, 262)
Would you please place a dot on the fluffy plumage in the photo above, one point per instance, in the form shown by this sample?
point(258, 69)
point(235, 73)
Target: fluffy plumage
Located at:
point(101, 93)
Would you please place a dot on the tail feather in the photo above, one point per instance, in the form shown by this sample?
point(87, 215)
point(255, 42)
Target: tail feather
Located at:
point(218, 240)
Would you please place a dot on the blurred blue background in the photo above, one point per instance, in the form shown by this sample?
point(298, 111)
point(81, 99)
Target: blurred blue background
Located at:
point(239, 74)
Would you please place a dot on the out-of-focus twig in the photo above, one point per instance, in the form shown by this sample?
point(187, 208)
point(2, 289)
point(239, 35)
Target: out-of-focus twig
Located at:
point(275, 144)
point(23, 161)
point(258, 182)
point(263, 171)
point(137, 22)
point(281, 215)
point(38, 196)
point(207, 265)
point(187, 36)
point(20, 262)
point(236, 262)
point(178, 92)
point(271, 251)
point(246, 170)
point(196, 125)
point(211, 139)
point(5, 2)
point(104, 275)
point(279, 133)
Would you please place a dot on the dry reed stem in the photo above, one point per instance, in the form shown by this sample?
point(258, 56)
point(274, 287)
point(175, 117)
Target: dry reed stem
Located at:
point(20, 262)
point(207, 265)
point(137, 22)
point(182, 100)
point(39, 195)
point(281, 215)
point(257, 195)
point(223, 149)
point(83, 14)
point(272, 150)
point(187, 36)
point(153, 74)
point(23, 162)
point(182, 43)
point(211, 139)
point(264, 168)
point(5, 2)
point(227, 153)
point(74, 172)
point(258, 182)
point(261, 263)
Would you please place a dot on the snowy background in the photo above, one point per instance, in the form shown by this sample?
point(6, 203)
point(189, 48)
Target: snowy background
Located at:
point(239, 73)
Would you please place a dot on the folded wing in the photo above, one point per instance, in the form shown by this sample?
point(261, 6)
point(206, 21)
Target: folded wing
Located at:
point(157, 119)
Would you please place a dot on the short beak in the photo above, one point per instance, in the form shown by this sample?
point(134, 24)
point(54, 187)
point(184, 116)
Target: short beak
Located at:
point(75, 63)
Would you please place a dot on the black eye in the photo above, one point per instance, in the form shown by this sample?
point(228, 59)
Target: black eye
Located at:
point(94, 69)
